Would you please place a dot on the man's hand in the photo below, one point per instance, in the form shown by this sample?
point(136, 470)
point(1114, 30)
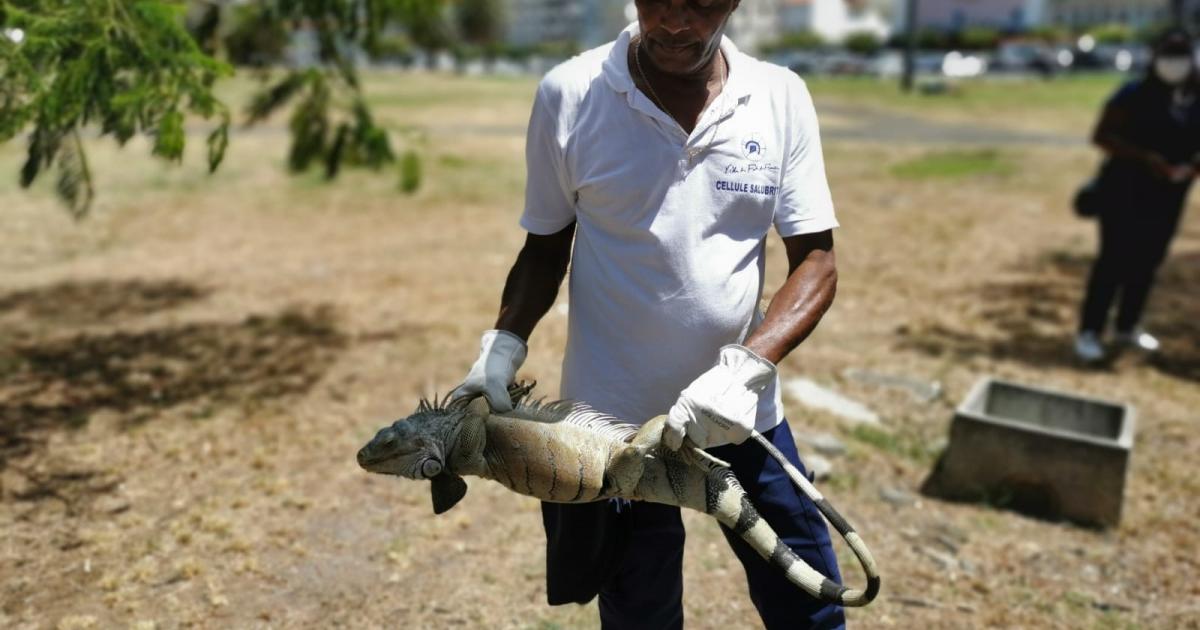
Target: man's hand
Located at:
point(501, 354)
point(720, 406)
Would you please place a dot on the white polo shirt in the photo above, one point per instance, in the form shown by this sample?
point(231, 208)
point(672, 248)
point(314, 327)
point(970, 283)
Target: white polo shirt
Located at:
point(668, 257)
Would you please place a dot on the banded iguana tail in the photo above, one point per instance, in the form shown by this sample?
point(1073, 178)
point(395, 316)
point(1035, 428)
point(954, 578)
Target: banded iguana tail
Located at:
point(566, 452)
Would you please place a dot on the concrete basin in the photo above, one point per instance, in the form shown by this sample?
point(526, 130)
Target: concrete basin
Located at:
point(1043, 452)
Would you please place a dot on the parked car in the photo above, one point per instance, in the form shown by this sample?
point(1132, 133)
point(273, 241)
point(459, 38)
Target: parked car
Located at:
point(802, 62)
point(887, 64)
point(843, 63)
point(1121, 57)
point(1027, 56)
point(957, 65)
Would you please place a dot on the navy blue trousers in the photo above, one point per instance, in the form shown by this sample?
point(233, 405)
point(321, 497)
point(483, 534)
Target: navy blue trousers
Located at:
point(631, 553)
point(1134, 239)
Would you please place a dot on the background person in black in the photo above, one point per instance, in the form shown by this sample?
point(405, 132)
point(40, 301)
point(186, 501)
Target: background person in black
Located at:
point(1150, 130)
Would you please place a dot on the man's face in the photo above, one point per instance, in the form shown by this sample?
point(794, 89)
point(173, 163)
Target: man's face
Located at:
point(681, 36)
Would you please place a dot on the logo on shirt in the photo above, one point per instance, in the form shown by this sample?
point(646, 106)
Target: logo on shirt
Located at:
point(726, 185)
point(752, 147)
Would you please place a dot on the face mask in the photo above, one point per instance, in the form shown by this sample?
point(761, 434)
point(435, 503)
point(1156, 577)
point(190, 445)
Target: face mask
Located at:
point(1173, 70)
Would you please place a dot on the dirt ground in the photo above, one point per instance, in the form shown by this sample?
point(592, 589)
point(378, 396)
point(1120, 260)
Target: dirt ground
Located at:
point(185, 378)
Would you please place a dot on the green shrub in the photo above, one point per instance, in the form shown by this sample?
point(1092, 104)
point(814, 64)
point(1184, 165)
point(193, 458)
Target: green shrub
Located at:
point(1150, 33)
point(863, 43)
point(932, 39)
point(979, 38)
point(466, 52)
point(1111, 33)
point(391, 48)
point(798, 40)
point(410, 172)
point(1049, 34)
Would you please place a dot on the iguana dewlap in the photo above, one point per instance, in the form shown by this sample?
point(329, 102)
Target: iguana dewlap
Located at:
point(566, 452)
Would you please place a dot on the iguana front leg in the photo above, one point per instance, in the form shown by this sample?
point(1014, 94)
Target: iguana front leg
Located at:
point(466, 444)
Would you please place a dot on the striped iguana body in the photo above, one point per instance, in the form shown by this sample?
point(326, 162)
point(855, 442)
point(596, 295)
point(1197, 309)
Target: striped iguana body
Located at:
point(566, 452)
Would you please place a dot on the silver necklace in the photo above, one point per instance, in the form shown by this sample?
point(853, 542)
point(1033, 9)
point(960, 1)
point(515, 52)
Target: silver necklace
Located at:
point(637, 61)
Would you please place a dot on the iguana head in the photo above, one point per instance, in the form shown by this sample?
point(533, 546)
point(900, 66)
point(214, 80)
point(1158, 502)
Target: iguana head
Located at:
point(425, 444)
point(418, 446)
point(437, 442)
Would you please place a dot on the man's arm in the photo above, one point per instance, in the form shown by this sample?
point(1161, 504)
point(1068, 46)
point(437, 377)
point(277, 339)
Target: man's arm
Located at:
point(532, 284)
point(529, 292)
point(805, 296)
point(721, 405)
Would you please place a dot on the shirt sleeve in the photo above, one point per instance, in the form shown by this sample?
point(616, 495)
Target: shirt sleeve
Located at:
point(549, 198)
point(804, 204)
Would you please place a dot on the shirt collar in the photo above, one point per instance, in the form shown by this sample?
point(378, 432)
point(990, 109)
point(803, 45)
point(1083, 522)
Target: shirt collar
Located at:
point(616, 67)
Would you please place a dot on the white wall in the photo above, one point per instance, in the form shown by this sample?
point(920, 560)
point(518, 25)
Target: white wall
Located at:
point(833, 20)
point(754, 23)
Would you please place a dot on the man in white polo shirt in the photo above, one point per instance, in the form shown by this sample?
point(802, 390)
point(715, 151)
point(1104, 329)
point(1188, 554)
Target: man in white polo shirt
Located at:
point(666, 157)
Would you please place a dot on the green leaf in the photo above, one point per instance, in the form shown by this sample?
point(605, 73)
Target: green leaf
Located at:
point(170, 138)
point(333, 159)
point(43, 148)
point(310, 126)
point(74, 183)
point(267, 101)
point(218, 141)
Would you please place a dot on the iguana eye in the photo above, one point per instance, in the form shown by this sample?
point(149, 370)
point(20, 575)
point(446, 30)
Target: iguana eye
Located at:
point(431, 468)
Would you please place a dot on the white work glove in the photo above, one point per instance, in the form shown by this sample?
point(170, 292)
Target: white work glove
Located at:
point(721, 405)
point(501, 354)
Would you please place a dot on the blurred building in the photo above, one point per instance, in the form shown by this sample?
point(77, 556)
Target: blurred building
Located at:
point(755, 23)
point(1080, 14)
point(954, 15)
point(833, 20)
point(532, 22)
point(1019, 15)
point(604, 20)
point(589, 23)
point(586, 23)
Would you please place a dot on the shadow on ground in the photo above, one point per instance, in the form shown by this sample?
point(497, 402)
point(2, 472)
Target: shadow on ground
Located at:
point(99, 301)
point(1032, 496)
point(1175, 316)
point(1032, 317)
point(54, 379)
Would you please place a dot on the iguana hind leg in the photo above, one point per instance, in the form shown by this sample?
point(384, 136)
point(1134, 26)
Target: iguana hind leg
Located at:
point(650, 434)
point(627, 463)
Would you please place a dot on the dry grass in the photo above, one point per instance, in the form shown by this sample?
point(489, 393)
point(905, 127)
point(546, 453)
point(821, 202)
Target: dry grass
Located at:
point(1066, 104)
point(187, 375)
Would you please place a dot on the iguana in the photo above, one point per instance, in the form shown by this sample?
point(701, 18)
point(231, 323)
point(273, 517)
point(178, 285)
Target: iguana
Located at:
point(566, 452)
